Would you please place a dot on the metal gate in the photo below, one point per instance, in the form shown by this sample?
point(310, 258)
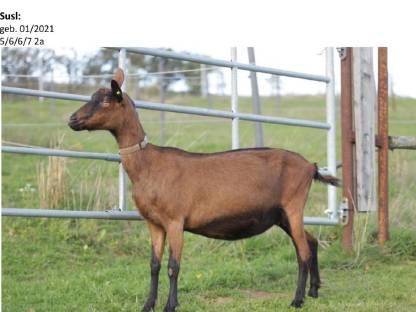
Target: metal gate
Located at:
point(121, 213)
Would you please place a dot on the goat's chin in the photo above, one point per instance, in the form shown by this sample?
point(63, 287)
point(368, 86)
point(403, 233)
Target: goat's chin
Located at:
point(76, 127)
point(93, 129)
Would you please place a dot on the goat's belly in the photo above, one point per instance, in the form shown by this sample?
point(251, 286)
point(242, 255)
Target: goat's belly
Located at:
point(237, 226)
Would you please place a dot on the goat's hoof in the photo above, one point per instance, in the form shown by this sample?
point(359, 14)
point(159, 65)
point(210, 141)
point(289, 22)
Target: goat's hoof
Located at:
point(297, 303)
point(149, 306)
point(313, 292)
point(170, 308)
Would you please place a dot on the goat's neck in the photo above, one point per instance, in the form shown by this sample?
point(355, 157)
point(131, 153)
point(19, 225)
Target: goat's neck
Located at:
point(129, 133)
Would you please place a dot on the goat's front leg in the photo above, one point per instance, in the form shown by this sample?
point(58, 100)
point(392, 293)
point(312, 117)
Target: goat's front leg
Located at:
point(175, 238)
point(157, 235)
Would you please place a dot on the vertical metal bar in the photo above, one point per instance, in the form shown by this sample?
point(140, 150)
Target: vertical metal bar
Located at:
point(205, 85)
point(383, 152)
point(256, 99)
point(162, 96)
point(40, 78)
point(203, 75)
point(234, 101)
point(347, 145)
point(122, 177)
point(331, 135)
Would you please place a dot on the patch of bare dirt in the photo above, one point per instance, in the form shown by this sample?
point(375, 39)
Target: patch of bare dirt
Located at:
point(221, 300)
point(257, 294)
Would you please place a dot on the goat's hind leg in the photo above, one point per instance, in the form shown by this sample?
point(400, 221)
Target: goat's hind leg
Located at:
point(315, 281)
point(293, 226)
point(157, 235)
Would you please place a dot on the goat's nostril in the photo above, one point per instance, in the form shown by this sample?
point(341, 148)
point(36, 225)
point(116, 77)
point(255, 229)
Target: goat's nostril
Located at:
point(73, 118)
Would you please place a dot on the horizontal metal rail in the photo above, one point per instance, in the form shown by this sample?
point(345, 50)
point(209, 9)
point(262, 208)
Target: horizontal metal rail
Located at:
point(231, 115)
point(87, 155)
point(46, 94)
point(319, 221)
point(59, 153)
point(177, 109)
point(49, 213)
point(112, 215)
point(229, 64)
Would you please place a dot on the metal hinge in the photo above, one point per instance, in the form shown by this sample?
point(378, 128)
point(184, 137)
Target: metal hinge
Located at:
point(343, 211)
point(342, 53)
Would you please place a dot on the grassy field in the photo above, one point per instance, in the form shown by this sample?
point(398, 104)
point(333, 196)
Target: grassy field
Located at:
point(88, 265)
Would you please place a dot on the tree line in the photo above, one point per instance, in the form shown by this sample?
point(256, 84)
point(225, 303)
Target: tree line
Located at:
point(18, 63)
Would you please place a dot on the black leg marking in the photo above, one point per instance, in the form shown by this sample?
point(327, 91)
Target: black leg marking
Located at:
point(315, 281)
point(173, 272)
point(154, 282)
point(302, 277)
point(304, 267)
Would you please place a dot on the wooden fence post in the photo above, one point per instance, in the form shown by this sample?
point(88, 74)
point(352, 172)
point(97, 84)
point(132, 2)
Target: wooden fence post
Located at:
point(365, 104)
point(383, 152)
point(347, 143)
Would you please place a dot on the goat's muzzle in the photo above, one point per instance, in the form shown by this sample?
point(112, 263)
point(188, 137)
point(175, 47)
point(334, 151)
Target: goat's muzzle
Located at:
point(75, 123)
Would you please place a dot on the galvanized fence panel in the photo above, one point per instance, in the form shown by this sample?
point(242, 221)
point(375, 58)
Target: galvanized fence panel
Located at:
point(234, 115)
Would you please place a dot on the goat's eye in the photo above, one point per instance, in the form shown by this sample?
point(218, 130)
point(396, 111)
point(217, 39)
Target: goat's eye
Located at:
point(106, 104)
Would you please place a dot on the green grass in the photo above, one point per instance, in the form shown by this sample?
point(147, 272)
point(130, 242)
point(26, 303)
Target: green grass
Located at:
point(60, 268)
point(88, 265)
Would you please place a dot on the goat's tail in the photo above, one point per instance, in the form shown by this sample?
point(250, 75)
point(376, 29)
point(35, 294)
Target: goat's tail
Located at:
point(327, 179)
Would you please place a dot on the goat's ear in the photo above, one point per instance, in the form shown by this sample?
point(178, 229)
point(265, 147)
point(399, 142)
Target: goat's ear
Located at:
point(119, 76)
point(116, 91)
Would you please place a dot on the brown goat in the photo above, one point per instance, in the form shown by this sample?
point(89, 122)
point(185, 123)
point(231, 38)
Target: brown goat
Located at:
point(228, 195)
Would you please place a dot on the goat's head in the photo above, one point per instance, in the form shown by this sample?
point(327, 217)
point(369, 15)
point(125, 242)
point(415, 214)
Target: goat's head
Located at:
point(107, 109)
